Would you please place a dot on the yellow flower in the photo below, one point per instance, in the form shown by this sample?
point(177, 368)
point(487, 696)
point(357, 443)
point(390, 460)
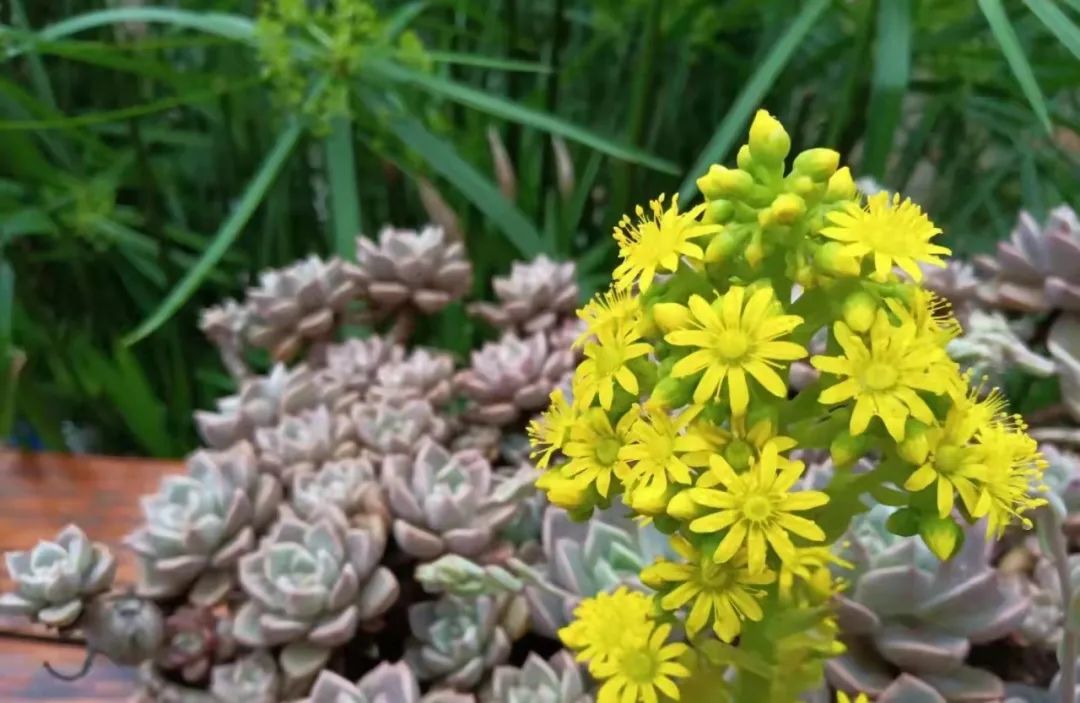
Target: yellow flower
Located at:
point(885, 376)
point(1013, 468)
point(594, 449)
point(757, 507)
point(842, 697)
point(954, 461)
point(931, 314)
point(721, 592)
point(736, 336)
point(605, 365)
point(642, 669)
point(549, 431)
point(606, 623)
point(811, 567)
point(895, 232)
point(611, 310)
point(564, 491)
point(739, 445)
point(657, 242)
point(658, 449)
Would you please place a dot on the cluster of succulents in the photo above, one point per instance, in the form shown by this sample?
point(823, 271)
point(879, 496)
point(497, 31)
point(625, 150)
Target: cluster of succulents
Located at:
point(363, 499)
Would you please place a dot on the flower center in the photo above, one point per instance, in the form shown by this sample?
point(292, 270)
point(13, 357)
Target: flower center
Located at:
point(757, 508)
point(715, 577)
point(639, 665)
point(880, 377)
point(948, 458)
point(732, 345)
point(607, 451)
point(739, 454)
point(608, 360)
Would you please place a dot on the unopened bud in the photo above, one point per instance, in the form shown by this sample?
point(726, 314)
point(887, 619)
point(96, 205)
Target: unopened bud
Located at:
point(916, 445)
point(846, 449)
point(819, 164)
point(723, 182)
point(717, 212)
point(681, 507)
point(672, 392)
point(941, 535)
point(841, 186)
point(802, 185)
point(831, 258)
point(744, 159)
point(787, 208)
point(769, 142)
point(670, 316)
point(722, 246)
point(755, 250)
point(859, 310)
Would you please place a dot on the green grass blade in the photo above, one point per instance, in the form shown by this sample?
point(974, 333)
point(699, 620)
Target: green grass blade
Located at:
point(1058, 23)
point(1014, 54)
point(344, 190)
point(892, 70)
point(220, 24)
point(400, 20)
point(445, 160)
point(753, 92)
point(38, 77)
point(498, 64)
point(226, 234)
point(500, 107)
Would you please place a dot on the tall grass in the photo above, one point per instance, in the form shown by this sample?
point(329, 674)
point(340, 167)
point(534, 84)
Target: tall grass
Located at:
point(147, 169)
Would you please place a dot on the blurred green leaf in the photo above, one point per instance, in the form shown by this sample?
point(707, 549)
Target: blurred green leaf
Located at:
point(751, 94)
point(892, 68)
point(228, 232)
point(344, 190)
point(1014, 54)
point(1058, 23)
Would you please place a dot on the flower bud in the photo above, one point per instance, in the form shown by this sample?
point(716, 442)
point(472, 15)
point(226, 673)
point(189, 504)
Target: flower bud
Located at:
point(831, 258)
point(786, 208)
point(916, 445)
point(562, 491)
point(846, 449)
point(670, 316)
point(802, 185)
point(859, 310)
point(819, 164)
point(769, 142)
point(717, 212)
point(723, 182)
point(672, 393)
point(943, 536)
point(682, 507)
point(743, 159)
point(722, 246)
point(841, 186)
point(650, 501)
point(755, 250)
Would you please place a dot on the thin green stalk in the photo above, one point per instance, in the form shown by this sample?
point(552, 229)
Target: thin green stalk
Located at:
point(344, 187)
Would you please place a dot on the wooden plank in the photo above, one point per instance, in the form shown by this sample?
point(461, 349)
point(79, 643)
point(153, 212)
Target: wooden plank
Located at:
point(41, 493)
point(23, 678)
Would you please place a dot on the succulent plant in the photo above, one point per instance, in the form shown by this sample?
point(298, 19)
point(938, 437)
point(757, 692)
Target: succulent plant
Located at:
point(1063, 343)
point(582, 559)
point(456, 641)
point(1062, 481)
point(512, 376)
point(532, 298)
point(254, 678)
point(463, 577)
point(261, 402)
point(55, 580)
point(989, 347)
point(195, 639)
point(442, 502)
point(424, 374)
point(1043, 623)
point(154, 687)
point(301, 443)
point(126, 628)
point(558, 680)
point(386, 683)
point(910, 622)
point(299, 305)
point(397, 428)
point(311, 586)
point(422, 269)
point(224, 325)
point(349, 486)
point(1038, 269)
point(355, 363)
point(199, 524)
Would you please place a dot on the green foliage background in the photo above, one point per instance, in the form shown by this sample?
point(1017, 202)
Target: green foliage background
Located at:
point(154, 158)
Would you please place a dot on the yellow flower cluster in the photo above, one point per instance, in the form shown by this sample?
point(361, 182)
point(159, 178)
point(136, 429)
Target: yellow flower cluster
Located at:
point(681, 408)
